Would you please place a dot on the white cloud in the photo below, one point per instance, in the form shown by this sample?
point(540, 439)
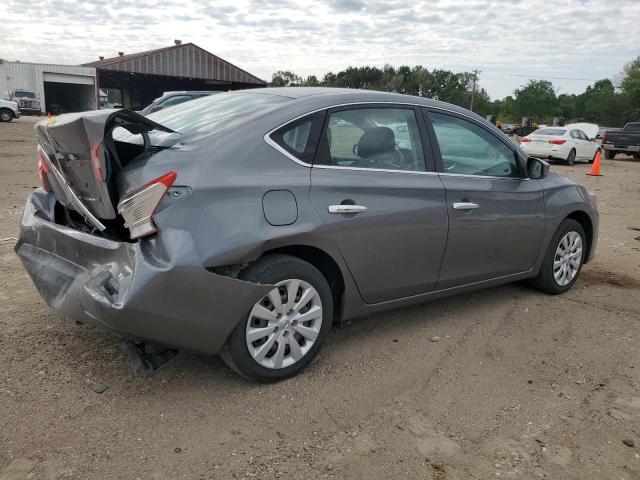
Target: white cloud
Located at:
point(569, 38)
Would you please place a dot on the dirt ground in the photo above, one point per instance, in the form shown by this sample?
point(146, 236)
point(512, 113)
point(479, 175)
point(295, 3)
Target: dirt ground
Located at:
point(520, 385)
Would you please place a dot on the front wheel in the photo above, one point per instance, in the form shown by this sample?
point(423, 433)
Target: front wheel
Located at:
point(286, 327)
point(563, 260)
point(610, 154)
point(5, 116)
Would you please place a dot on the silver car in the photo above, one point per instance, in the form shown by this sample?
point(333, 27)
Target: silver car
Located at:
point(247, 223)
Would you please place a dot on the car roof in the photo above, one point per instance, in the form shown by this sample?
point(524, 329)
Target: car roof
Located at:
point(337, 96)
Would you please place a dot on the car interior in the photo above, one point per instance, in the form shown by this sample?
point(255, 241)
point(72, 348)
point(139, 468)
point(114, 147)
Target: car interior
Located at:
point(385, 139)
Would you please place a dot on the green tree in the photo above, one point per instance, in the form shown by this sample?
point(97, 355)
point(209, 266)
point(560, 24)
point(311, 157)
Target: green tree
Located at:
point(536, 99)
point(630, 85)
point(285, 79)
point(600, 104)
point(311, 81)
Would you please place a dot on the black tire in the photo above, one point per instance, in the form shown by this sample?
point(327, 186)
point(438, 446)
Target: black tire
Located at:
point(6, 115)
point(571, 158)
point(610, 154)
point(636, 156)
point(272, 269)
point(545, 280)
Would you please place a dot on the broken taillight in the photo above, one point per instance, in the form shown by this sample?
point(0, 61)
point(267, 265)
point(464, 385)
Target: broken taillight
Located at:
point(138, 208)
point(43, 168)
point(95, 161)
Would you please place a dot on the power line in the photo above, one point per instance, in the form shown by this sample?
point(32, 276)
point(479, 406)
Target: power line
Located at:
point(543, 77)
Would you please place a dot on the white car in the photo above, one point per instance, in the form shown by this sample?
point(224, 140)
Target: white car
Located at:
point(568, 143)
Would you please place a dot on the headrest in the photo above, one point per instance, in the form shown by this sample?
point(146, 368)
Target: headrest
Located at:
point(375, 141)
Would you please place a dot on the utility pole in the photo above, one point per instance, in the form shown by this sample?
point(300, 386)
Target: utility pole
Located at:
point(473, 90)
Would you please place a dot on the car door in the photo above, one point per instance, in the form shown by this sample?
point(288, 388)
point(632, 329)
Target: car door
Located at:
point(577, 143)
point(380, 200)
point(496, 216)
point(589, 146)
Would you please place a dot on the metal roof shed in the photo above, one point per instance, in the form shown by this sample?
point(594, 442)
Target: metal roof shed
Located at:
point(144, 76)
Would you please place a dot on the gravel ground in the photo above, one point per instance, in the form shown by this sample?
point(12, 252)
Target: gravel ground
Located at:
point(519, 385)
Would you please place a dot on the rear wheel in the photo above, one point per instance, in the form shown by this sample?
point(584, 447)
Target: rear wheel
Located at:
point(563, 260)
point(571, 159)
point(284, 329)
point(5, 115)
point(636, 156)
point(610, 154)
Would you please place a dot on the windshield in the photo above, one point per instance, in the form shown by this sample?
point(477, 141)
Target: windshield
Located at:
point(21, 94)
point(205, 114)
point(632, 128)
point(550, 131)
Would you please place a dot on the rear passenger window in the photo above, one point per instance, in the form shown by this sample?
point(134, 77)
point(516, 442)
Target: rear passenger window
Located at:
point(299, 138)
point(296, 137)
point(376, 138)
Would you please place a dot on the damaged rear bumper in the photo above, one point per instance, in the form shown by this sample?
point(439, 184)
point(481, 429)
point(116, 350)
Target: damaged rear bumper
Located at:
point(155, 290)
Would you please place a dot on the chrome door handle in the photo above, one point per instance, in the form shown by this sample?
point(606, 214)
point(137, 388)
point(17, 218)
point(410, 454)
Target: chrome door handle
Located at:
point(347, 209)
point(465, 206)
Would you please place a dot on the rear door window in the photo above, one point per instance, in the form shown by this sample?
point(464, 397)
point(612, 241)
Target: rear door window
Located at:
point(376, 138)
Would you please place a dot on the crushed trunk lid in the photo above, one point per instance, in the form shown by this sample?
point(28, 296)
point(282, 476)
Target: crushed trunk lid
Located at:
point(83, 159)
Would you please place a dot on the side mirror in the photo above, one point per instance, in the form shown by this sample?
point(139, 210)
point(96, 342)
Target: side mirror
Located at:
point(536, 168)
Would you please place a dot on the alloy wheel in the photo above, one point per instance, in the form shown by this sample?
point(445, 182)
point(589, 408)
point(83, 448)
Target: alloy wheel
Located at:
point(283, 326)
point(568, 257)
point(5, 116)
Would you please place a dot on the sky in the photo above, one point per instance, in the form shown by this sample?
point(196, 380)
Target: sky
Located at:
point(572, 43)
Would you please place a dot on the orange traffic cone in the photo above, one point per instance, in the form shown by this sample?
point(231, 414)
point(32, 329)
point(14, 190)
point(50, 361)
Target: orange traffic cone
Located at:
point(595, 169)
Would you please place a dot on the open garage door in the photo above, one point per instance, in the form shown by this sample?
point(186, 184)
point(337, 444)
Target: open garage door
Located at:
point(65, 93)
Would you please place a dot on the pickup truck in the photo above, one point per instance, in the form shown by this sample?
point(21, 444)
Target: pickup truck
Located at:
point(27, 101)
point(625, 141)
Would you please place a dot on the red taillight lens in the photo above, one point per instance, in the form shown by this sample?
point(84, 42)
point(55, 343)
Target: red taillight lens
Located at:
point(43, 169)
point(525, 140)
point(95, 161)
point(138, 208)
point(557, 142)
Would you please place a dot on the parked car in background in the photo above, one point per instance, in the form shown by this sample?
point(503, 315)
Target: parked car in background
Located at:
point(27, 101)
point(567, 144)
point(169, 99)
point(246, 223)
point(8, 110)
point(508, 127)
point(625, 141)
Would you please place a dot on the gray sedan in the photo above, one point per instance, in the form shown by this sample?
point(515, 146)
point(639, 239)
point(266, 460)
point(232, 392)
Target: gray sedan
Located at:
point(247, 223)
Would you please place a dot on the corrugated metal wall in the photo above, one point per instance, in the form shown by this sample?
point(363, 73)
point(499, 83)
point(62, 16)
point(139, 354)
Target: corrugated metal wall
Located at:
point(30, 76)
point(185, 61)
